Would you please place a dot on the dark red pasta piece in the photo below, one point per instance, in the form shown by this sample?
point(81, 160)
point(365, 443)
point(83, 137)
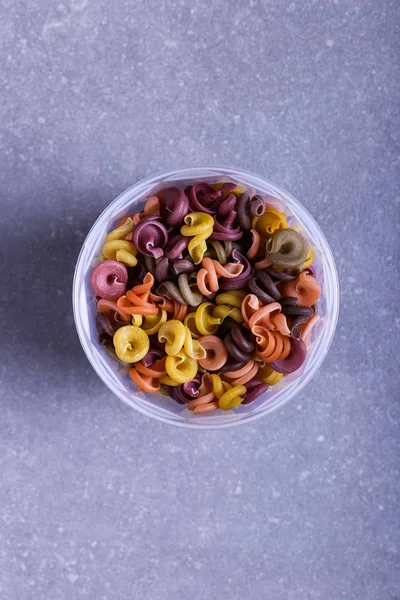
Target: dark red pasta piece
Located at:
point(176, 246)
point(109, 279)
point(150, 236)
point(202, 198)
point(174, 206)
point(294, 361)
point(254, 389)
point(152, 355)
point(224, 228)
point(226, 206)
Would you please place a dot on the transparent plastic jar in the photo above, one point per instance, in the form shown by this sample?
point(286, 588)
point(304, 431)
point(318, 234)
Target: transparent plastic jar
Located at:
point(162, 407)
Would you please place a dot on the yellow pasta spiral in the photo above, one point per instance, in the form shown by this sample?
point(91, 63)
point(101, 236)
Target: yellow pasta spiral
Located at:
point(137, 320)
point(232, 298)
point(199, 226)
point(268, 375)
point(181, 368)
point(309, 260)
point(153, 323)
point(177, 336)
point(118, 248)
point(190, 323)
point(208, 318)
point(206, 323)
point(228, 396)
point(269, 222)
point(131, 343)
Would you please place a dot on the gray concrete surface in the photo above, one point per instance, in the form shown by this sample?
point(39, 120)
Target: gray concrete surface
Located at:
point(96, 501)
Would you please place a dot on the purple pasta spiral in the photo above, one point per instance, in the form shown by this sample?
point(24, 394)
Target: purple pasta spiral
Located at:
point(176, 245)
point(152, 355)
point(296, 358)
point(161, 272)
point(254, 389)
point(224, 229)
point(202, 198)
point(167, 270)
point(150, 236)
point(238, 343)
point(241, 280)
point(181, 266)
point(174, 206)
point(247, 208)
point(233, 365)
point(227, 205)
point(295, 326)
point(279, 276)
point(264, 288)
point(298, 314)
point(109, 279)
point(186, 392)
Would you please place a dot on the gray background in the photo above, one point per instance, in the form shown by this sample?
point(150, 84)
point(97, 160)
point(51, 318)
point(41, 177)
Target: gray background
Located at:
point(97, 501)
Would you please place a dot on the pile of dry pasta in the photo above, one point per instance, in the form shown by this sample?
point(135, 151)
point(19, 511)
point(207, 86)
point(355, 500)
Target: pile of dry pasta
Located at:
point(207, 296)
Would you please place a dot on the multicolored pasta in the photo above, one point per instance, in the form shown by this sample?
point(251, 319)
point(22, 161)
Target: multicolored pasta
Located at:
point(207, 296)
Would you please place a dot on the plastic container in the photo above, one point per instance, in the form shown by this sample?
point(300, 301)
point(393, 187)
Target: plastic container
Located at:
point(162, 407)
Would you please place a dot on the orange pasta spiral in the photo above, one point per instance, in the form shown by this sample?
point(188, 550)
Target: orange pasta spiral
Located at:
point(148, 378)
point(136, 300)
point(243, 375)
point(305, 288)
point(271, 345)
point(217, 354)
point(178, 310)
point(208, 275)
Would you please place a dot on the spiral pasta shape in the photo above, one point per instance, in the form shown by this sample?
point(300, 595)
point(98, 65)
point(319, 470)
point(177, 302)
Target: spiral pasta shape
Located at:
point(205, 399)
point(111, 309)
point(271, 318)
point(206, 323)
point(267, 374)
point(151, 324)
point(232, 298)
point(286, 249)
point(109, 279)
point(207, 277)
point(176, 337)
point(181, 368)
point(272, 220)
point(228, 397)
point(305, 288)
point(198, 226)
point(118, 248)
point(186, 292)
point(131, 343)
point(216, 353)
point(243, 375)
point(136, 301)
point(148, 378)
point(271, 345)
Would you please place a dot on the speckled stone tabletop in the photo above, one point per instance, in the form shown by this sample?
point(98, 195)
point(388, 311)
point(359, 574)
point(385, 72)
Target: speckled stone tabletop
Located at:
point(98, 501)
